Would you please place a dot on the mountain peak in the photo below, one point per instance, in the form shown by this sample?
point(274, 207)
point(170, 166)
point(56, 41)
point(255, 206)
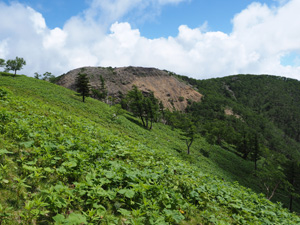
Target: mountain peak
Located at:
point(173, 93)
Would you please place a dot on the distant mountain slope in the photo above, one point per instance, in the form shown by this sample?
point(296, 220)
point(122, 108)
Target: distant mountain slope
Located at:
point(242, 110)
point(172, 93)
point(276, 99)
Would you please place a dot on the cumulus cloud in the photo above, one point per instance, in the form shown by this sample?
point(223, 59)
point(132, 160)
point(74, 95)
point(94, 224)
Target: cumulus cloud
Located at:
point(109, 11)
point(260, 38)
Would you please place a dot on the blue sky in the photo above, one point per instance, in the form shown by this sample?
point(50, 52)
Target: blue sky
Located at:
point(216, 13)
point(198, 38)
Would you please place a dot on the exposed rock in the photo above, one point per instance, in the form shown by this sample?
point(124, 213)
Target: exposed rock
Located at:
point(229, 112)
point(172, 92)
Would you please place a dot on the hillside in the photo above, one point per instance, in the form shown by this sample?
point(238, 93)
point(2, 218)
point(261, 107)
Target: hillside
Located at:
point(255, 117)
point(239, 109)
point(173, 93)
point(67, 162)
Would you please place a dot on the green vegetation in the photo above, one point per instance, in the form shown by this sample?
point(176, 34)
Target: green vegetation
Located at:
point(82, 85)
point(63, 161)
point(48, 76)
point(101, 93)
point(257, 118)
point(15, 64)
point(2, 62)
point(144, 107)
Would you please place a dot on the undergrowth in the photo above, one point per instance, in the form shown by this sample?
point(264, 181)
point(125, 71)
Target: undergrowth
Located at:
point(67, 162)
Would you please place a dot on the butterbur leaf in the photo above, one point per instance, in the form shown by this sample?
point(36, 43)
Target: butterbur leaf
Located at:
point(59, 219)
point(5, 181)
point(70, 164)
point(174, 214)
point(48, 169)
point(127, 192)
point(124, 212)
point(110, 174)
point(75, 219)
point(4, 151)
point(111, 194)
point(27, 144)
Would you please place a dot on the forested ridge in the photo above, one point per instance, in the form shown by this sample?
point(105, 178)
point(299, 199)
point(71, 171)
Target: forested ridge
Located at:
point(259, 117)
point(68, 161)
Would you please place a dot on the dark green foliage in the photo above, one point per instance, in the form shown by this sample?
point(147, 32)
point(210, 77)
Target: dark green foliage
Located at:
point(47, 76)
point(15, 64)
point(292, 171)
point(67, 162)
point(100, 93)
point(256, 151)
point(184, 122)
point(37, 75)
point(82, 85)
point(271, 174)
point(144, 107)
point(189, 132)
point(2, 62)
point(263, 123)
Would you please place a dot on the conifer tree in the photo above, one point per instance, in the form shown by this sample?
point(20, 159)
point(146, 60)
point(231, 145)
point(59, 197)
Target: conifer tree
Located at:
point(146, 108)
point(136, 99)
point(82, 85)
point(189, 131)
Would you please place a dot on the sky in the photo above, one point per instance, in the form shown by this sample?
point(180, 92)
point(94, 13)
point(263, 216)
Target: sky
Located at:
point(197, 38)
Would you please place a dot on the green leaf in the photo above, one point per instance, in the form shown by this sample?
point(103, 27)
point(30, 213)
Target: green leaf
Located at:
point(70, 164)
point(75, 219)
point(5, 181)
point(4, 151)
point(27, 144)
point(48, 169)
point(127, 192)
point(59, 219)
point(124, 212)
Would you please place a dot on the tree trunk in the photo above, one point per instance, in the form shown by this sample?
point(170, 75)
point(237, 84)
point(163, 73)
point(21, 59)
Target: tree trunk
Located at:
point(291, 203)
point(274, 190)
point(291, 196)
point(143, 122)
point(188, 145)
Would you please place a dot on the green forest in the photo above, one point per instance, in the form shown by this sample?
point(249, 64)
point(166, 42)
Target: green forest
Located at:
point(71, 159)
point(263, 126)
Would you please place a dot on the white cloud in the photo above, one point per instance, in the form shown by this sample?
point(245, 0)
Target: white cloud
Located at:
point(110, 11)
point(55, 39)
point(261, 36)
point(37, 20)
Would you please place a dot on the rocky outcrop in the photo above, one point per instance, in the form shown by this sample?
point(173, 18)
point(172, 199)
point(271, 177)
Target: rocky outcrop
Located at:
point(173, 93)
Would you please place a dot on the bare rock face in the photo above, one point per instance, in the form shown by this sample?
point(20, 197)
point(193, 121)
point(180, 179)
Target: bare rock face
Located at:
point(173, 93)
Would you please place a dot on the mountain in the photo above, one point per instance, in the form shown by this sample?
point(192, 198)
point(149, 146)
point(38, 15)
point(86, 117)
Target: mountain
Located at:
point(118, 81)
point(251, 112)
point(255, 117)
point(258, 101)
point(63, 161)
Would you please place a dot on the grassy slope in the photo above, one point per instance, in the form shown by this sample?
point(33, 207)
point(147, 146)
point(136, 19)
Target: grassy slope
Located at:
point(63, 159)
